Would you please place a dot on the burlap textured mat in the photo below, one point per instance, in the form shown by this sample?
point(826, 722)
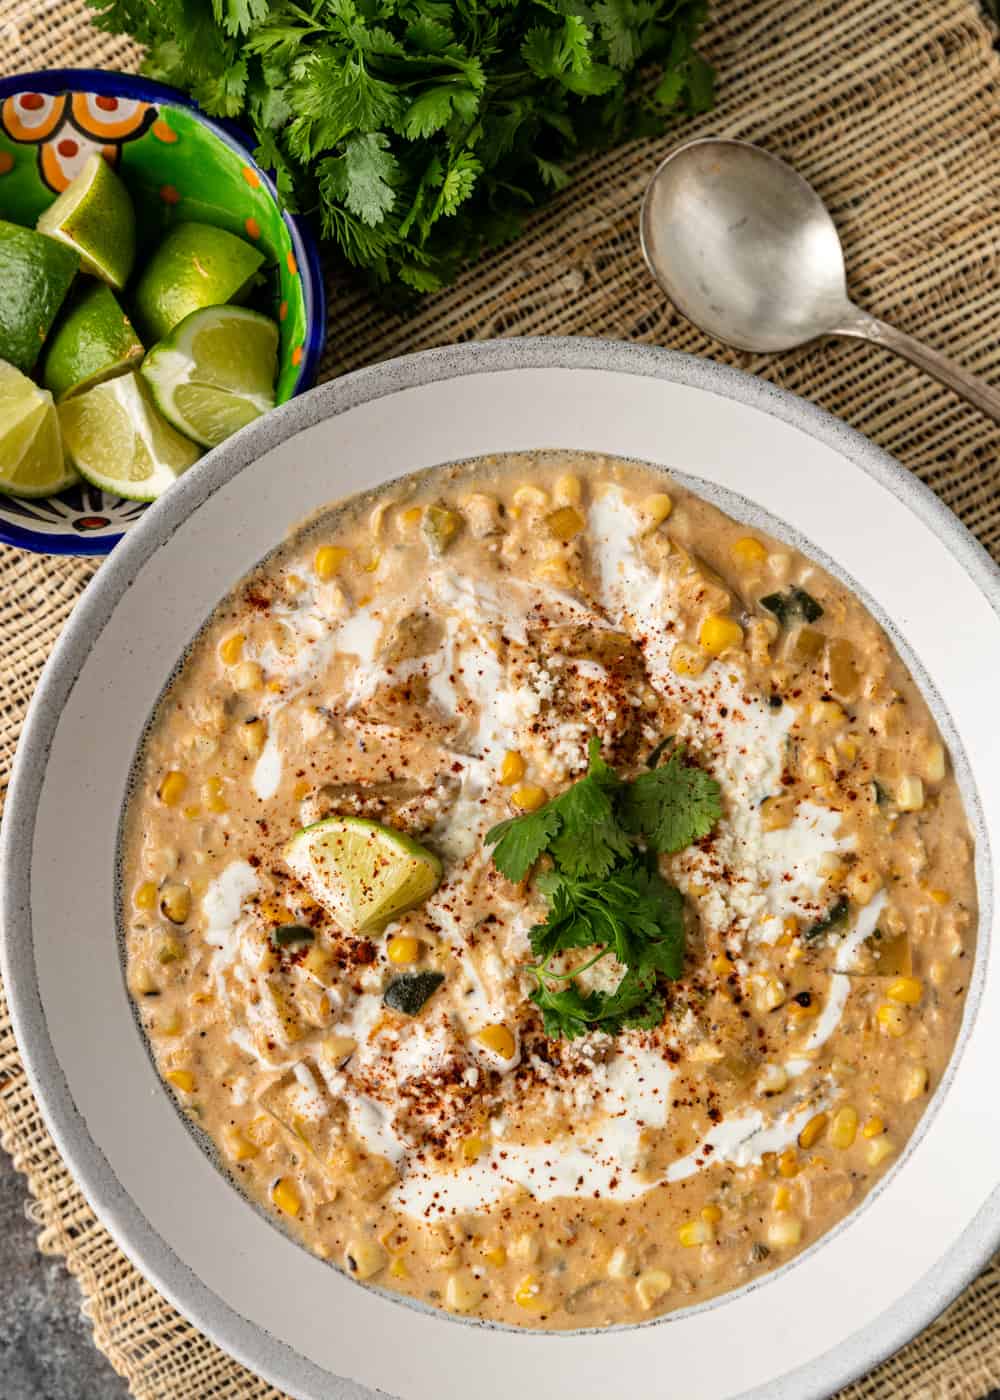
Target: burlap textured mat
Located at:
point(893, 112)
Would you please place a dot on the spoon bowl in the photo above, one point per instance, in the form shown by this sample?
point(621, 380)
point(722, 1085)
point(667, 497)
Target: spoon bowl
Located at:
point(746, 249)
point(743, 246)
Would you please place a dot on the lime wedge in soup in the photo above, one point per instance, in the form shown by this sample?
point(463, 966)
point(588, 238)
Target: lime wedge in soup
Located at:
point(363, 874)
point(94, 217)
point(196, 265)
point(115, 438)
point(31, 452)
point(214, 373)
point(35, 275)
point(92, 341)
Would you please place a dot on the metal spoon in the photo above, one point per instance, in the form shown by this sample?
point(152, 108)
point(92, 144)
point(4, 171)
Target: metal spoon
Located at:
point(746, 249)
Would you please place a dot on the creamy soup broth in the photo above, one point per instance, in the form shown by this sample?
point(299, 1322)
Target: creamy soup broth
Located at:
point(435, 657)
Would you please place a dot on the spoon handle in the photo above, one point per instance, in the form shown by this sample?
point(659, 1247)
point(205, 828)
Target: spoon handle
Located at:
point(976, 391)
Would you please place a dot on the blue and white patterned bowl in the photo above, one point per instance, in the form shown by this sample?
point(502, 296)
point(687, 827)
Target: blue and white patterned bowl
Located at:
point(179, 163)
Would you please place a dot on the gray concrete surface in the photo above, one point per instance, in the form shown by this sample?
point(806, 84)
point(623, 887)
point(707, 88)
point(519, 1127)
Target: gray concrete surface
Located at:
point(47, 1349)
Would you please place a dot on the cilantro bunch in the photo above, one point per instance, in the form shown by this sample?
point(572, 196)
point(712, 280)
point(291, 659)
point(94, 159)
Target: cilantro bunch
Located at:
point(603, 836)
point(420, 131)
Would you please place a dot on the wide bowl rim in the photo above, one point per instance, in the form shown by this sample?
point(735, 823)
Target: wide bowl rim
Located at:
point(251, 1344)
point(112, 82)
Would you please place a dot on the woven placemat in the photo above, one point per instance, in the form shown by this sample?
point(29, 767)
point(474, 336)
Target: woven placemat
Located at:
point(892, 111)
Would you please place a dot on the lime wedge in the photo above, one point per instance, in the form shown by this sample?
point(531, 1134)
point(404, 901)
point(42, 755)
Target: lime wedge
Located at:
point(117, 440)
point(35, 275)
point(31, 453)
point(196, 265)
point(361, 873)
point(94, 216)
point(214, 373)
point(93, 341)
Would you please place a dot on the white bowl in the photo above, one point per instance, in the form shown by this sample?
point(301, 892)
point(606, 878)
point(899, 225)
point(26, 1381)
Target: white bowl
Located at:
point(766, 457)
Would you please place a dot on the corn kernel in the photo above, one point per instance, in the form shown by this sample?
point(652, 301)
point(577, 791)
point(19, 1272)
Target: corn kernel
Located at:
point(914, 1083)
point(567, 490)
point(784, 1233)
point(527, 1248)
point(402, 949)
point(564, 524)
point(145, 896)
point(473, 1148)
point(530, 498)
point(721, 965)
point(181, 1079)
point(411, 517)
point(827, 712)
point(651, 1286)
point(908, 991)
point(622, 1263)
point(231, 648)
point(211, 795)
point(328, 560)
point(873, 1128)
point(238, 1147)
point(879, 1149)
point(695, 1232)
point(782, 1198)
point(398, 1269)
point(847, 747)
point(498, 1039)
point(512, 768)
point(817, 771)
point(863, 884)
point(461, 1292)
point(910, 794)
point(364, 1258)
point(844, 1128)
point(175, 902)
point(172, 788)
point(935, 763)
point(655, 509)
point(247, 677)
point(253, 736)
point(686, 661)
point(495, 1255)
point(891, 1018)
point(776, 813)
point(710, 1214)
point(718, 634)
point(529, 797)
point(338, 1048)
point(813, 1131)
point(748, 553)
point(941, 897)
point(788, 1163)
point(528, 1293)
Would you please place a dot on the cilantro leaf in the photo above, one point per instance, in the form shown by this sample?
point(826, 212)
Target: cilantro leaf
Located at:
point(673, 805)
point(591, 838)
point(518, 843)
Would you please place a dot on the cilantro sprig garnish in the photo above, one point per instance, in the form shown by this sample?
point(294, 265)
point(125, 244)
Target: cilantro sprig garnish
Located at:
point(418, 133)
point(602, 836)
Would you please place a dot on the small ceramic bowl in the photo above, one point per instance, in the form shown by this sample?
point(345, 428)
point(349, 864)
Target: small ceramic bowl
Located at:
point(178, 165)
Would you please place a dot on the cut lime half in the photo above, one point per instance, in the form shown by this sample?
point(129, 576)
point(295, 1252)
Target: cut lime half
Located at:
point(215, 372)
point(94, 216)
point(31, 453)
point(196, 265)
point(116, 439)
point(92, 341)
point(361, 873)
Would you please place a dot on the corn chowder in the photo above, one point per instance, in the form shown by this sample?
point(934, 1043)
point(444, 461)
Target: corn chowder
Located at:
point(405, 1040)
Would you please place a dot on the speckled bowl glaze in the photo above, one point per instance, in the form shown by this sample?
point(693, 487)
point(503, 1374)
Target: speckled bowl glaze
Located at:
point(769, 459)
point(178, 164)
